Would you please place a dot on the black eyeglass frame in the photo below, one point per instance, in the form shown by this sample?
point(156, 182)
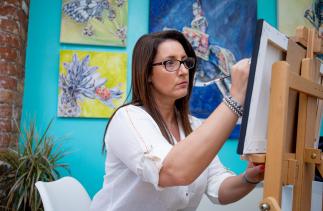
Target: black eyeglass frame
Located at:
point(180, 63)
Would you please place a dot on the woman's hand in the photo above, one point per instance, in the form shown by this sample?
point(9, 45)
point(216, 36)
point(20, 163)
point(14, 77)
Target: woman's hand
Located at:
point(236, 187)
point(239, 77)
point(255, 173)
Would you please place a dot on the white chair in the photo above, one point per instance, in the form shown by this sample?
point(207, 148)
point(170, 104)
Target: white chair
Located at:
point(65, 194)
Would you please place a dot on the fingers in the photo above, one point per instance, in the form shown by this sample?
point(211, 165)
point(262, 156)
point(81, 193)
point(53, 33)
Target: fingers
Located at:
point(243, 63)
point(239, 76)
point(260, 168)
point(255, 173)
point(250, 164)
point(243, 66)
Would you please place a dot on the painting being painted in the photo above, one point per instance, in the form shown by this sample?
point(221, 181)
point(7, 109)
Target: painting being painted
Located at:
point(94, 22)
point(221, 32)
point(91, 84)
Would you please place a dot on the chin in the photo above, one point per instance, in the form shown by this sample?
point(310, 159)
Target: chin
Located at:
point(181, 94)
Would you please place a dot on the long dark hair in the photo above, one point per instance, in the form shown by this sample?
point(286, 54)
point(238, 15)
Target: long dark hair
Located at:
point(143, 56)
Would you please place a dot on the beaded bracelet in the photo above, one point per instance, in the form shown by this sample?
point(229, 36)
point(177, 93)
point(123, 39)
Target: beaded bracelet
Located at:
point(246, 180)
point(235, 106)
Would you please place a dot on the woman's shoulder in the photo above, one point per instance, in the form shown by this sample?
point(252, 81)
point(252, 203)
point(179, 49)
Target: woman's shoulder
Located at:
point(132, 109)
point(132, 112)
point(129, 115)
point(132, 116)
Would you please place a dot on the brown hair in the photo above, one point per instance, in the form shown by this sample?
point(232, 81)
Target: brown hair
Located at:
point(143, 56)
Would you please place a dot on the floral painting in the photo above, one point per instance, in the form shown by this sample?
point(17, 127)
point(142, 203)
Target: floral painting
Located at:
point(94, 22)
point(91, 84)
point(221, 33)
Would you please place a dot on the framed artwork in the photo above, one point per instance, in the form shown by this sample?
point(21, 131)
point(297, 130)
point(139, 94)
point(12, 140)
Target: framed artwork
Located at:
point(91, 84)
point(293, 13)
point(221, 33)
point(94, 22)
point(270, 46)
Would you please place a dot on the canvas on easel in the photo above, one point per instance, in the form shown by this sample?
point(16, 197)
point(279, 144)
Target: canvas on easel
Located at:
point(292, 121)
point(270, 46)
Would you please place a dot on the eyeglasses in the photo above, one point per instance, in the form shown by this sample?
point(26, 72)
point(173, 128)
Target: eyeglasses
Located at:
point(173, 65)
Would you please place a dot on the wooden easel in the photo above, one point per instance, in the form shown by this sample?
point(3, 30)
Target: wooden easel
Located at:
point(291, 156)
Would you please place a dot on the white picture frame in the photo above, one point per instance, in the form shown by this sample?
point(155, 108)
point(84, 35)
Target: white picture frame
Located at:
point(270, 46)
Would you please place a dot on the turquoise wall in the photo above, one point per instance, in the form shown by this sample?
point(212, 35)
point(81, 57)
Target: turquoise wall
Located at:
point(84, 136)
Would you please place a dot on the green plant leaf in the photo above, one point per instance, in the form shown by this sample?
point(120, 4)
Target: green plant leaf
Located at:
point(36, 158)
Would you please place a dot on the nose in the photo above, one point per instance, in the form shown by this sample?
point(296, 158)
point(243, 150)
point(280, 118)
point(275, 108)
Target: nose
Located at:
point(182, 69)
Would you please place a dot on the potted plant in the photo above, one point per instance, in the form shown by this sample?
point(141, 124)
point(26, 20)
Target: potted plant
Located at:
point(36, 157)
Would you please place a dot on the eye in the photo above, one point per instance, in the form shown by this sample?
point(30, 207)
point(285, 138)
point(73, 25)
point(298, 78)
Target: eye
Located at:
point(171, 62)
point(189, 62)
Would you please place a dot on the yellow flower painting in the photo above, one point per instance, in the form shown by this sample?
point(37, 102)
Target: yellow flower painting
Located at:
point(94, 22)
point(91, 84)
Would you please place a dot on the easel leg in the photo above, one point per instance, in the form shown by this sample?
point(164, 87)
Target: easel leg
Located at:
point(277, 131)
point(305, 138)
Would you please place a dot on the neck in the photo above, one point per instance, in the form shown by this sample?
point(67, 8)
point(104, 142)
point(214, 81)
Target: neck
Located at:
point(167, 110)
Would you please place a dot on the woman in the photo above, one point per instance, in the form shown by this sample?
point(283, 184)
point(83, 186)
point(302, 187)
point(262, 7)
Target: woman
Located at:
point(158, 156)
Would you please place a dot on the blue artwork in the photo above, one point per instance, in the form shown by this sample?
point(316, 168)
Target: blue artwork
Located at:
point(221, 33)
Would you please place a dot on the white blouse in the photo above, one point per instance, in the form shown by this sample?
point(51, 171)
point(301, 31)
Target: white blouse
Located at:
point(136, 149)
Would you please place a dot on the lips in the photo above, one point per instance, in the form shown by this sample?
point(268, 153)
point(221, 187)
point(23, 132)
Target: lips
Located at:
point(183, 83)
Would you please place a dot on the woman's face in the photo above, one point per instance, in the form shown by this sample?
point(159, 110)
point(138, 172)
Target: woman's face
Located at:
point(169, 85)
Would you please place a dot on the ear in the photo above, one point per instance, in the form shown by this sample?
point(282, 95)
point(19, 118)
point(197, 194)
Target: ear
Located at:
point(149, 79)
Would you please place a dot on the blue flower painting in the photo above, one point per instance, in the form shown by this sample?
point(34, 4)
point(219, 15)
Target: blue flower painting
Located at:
point(221, 33)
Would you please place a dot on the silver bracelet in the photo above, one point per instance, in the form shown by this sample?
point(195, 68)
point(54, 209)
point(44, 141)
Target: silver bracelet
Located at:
point(247, 181)
point(235, 106)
